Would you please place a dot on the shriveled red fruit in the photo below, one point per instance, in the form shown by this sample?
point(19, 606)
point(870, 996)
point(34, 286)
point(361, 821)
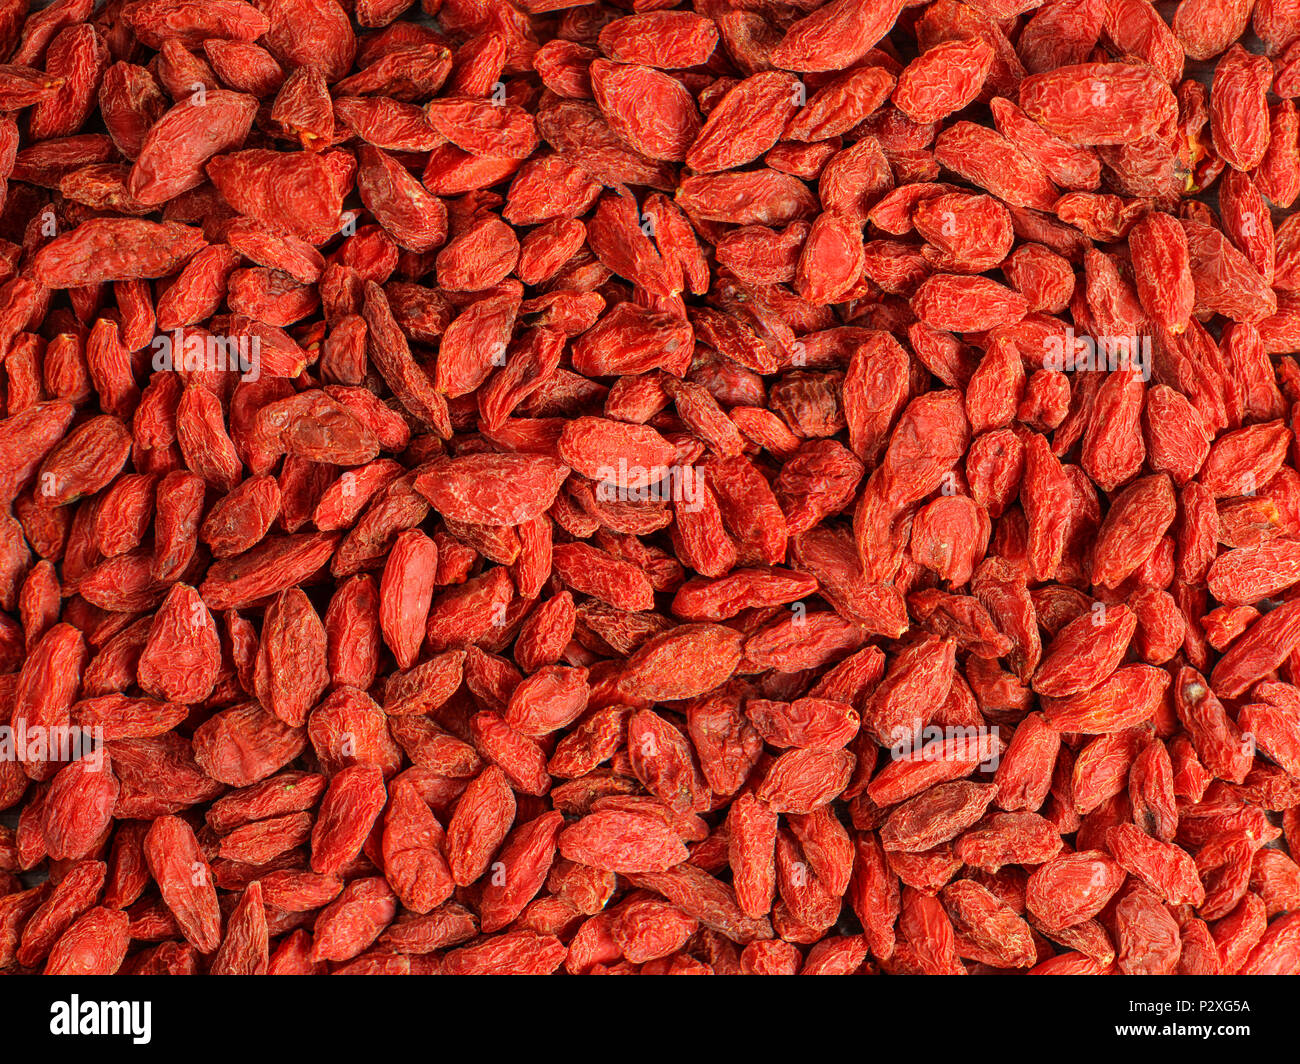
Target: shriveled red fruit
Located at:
point(502, 488)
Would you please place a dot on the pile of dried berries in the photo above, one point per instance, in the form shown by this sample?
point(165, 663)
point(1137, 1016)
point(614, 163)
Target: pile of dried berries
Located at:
point(741, 486)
